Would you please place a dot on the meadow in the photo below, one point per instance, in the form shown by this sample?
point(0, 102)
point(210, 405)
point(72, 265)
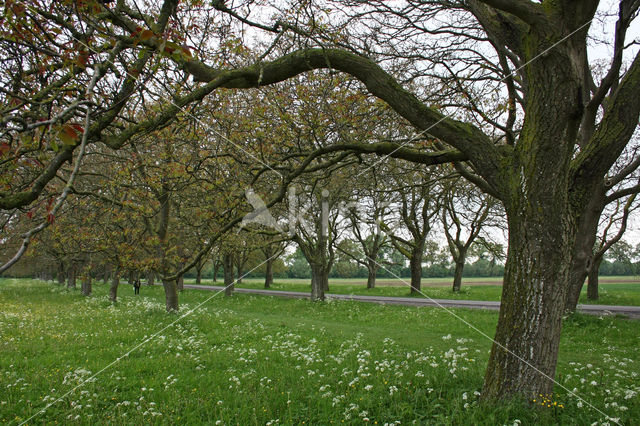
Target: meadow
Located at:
point(246, 360)
point(613, 290)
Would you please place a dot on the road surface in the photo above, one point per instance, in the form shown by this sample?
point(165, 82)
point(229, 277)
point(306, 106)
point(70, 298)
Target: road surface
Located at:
point(630, 311)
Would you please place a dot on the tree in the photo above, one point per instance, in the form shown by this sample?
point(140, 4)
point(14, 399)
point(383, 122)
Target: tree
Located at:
point(368, 210)
point(542, 183)
point(417, 206)
point(272, 249)
point(465, 209)
point(607, 242)
point(544, 155)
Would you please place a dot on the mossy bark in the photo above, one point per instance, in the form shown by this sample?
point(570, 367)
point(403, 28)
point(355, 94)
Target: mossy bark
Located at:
point(227, 266)
point(268, 275)
point(592, 284)
point(457, 275)
point(415, 266)
point(171, 295)
point(319, 281)
point(86, 286)
point(113, 288)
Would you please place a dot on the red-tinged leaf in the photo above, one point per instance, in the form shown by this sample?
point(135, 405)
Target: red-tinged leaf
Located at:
point(81, 60)
point(187, 52)
point(68, 134)
point(30, 214)
point(78, 128)
point(4, 148)
point(51, 218)
point(146, 35)
point(18, 8)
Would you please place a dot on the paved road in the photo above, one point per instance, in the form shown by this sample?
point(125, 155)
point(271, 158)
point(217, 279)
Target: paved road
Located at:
point(630, 311)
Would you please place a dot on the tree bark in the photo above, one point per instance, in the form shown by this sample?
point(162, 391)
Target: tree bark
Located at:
point(583, 247)
point(457, 276)
point(268, 275)
point(199, 275)
point(151, 278)
point(86, 286)
point(239, 269)
point(180, 284)
point(415, 266)
point(61, 276)
point(71, 276)
point(525, 350)
point(106, 274)
point(113, 288)
point(319, 278)
point(227, 266)
point(372, 270)
point(170, 295)
point(592, 285)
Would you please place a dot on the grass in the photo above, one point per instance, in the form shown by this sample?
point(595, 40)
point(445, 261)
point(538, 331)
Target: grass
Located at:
point(261, 360)
point(615, 291)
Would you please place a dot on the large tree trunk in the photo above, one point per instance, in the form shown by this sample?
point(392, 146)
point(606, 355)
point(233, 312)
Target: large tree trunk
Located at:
point(319, 281)
point(525, 350)
point(268, 275)
point(542, 215)
point(227, 266)
point(170, 295)
point(583, 248)
point(592, 286)
point(415, 266)
point(199, 275)
point(113, 288)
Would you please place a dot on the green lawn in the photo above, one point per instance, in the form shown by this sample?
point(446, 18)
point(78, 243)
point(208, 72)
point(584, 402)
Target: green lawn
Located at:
point(617, 292)
point(259, 360)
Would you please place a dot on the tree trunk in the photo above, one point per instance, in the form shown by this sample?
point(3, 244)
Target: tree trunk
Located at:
point(268, 276)
point(592, 285)
point(86, 285)
point(525, 350)
point(199, 275)
point(180, 284)
point(71, 276)
point(106, 274)
point(239, 268)
point(151, 278)
point(372, 271)
point(215, 272)
point(457, 276)
point(318, 278)
point(113, 288)
point(582, 254)
point(61, 273)
point(415, 266)
point(227, 266)
point(171, 295)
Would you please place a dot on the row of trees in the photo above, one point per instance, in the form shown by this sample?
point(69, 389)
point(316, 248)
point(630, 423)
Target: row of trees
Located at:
point(503, 93)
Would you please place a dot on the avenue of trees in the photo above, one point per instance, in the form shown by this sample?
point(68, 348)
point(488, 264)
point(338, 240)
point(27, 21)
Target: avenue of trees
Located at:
point(130, 135)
